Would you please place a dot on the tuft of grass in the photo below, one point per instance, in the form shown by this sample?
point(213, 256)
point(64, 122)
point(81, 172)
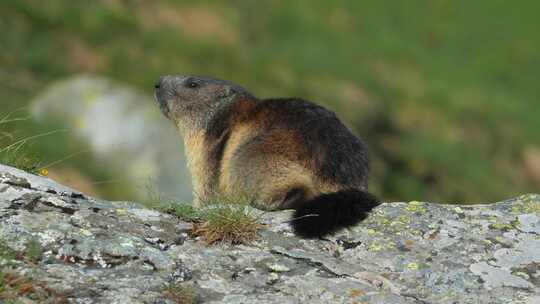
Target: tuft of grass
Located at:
point(225, 219)
point(180, 293)
point(19, 156)
point(20, 153)
point(15, 288)
point(228, 223)
point(16, 152)
point(34, 251)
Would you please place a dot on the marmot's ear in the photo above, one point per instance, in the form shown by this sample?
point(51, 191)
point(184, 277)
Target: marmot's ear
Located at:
point(226, 92)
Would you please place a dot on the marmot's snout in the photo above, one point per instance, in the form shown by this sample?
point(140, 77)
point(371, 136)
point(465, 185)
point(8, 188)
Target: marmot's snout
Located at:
point(163, 87)
point(162, 91)
point(157, 84)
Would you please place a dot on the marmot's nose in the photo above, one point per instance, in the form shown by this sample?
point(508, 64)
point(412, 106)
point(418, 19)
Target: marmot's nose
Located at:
point(157, 84)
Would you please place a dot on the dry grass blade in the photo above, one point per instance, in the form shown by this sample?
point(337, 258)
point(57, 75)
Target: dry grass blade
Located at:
point(19, 143)
point(231, 224)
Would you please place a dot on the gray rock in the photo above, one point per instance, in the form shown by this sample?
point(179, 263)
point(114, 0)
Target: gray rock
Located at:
point(95, 251)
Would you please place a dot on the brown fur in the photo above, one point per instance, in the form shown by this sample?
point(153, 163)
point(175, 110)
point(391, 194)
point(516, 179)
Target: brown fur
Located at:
point(282, 152)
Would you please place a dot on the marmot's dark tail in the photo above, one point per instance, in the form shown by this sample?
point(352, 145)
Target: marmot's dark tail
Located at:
point(331, 212)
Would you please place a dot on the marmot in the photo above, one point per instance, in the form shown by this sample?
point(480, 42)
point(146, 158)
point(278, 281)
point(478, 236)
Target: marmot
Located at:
point(287, 153)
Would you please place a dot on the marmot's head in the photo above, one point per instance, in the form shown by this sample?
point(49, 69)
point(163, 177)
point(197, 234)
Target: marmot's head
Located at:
point(193, 101)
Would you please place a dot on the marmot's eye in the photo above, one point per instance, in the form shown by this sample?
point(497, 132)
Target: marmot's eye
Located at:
point(192, 84)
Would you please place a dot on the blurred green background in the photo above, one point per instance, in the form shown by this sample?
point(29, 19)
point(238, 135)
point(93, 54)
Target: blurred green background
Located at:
point(446, 93)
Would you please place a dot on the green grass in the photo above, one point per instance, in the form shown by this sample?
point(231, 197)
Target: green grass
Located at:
point(226, 219)
point(16, 152)
point(25, 145)
point(183, 211)
point(444, 92)
point(219, 223)
point(228, 223)
point(33, 251)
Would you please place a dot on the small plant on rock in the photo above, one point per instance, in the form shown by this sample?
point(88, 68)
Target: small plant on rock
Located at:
point(180, 293)
point(228, 223)
point(227, 219)
point(184, 211)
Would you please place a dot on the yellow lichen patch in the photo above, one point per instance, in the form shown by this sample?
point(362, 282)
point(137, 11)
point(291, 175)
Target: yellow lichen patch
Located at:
point(413, 266)
point(528, 203)
point(416, 207)
point(458, 210)
point(376, 246)
point(399, 224)
point(502, 226)
point(402, 220)
point(85, 232)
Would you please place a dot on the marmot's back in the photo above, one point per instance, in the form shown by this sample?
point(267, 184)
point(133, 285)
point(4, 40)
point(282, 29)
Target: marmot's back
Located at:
point(283, 153)
point(338, 155)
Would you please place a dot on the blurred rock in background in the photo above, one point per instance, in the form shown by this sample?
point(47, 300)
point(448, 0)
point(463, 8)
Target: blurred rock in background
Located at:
point(445, 93)
point(124, 130)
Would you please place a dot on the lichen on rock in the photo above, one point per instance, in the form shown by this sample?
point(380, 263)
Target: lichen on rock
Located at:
point(94, 251)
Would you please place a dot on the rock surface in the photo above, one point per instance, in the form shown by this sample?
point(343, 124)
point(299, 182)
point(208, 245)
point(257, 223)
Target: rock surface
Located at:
point(94, 251)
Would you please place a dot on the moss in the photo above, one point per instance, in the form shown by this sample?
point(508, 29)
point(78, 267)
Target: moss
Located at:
point(121, 211)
